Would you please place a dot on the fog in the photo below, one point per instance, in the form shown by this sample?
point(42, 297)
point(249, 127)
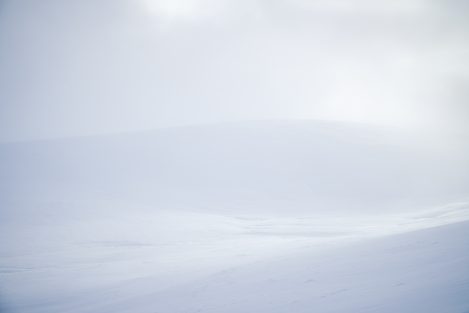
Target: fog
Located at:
point(88, 67)
point(221, 156)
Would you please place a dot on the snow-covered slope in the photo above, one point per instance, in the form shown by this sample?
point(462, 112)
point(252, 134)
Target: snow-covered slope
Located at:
point(215, 264)
point(247, 217)
point(284, 167)
point(425, 271)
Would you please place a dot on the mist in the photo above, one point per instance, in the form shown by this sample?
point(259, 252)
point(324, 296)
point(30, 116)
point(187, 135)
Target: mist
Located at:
point(226, 156)
point(71, 69)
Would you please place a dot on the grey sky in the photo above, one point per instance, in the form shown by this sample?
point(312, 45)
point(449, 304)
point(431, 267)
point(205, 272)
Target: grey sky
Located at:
point(87, 67)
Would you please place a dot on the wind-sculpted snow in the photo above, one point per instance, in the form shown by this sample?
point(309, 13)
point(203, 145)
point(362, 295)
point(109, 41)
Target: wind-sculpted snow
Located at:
point(426, 271)
point(187, 262)
point(251, 217)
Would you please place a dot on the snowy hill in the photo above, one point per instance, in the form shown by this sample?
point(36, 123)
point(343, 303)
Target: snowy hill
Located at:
point(283, 167)
point(272, 216)
point(199, 263)
point(425, 271)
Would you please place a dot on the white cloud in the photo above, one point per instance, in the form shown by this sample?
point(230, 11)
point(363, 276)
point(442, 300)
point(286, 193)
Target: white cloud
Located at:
point(104, 66)
point(184, 10)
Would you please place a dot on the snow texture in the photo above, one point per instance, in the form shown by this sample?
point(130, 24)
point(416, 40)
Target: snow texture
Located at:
point(252, 217)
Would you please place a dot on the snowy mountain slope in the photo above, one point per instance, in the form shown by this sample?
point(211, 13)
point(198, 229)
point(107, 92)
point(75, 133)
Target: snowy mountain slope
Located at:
point(96, 262)
point(203, 263)
point(423, 271)
point(283, 167)
point(127, 222)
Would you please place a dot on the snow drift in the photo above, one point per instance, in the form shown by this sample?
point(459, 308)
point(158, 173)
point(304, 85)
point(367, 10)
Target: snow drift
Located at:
point(271, 216)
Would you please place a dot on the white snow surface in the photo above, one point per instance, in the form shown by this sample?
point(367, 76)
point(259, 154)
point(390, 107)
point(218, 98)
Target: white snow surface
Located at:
point(194, 262)
point(255, 217)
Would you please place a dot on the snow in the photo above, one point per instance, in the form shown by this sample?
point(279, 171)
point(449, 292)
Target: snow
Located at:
point(184, 262)
point(425, 271)
point(255, 217)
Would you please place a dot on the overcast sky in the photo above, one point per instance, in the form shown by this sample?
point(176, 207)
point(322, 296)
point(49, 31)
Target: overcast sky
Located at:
point(100, 66)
